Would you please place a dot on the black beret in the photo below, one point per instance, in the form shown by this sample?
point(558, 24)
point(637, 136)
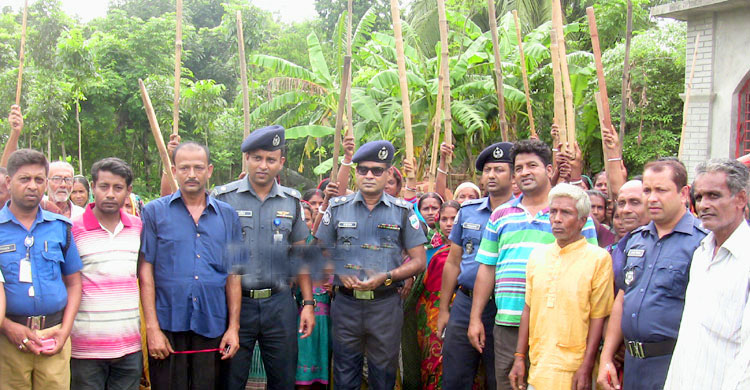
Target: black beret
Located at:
point(499, 152)
point(377, 151)
point(268, 138)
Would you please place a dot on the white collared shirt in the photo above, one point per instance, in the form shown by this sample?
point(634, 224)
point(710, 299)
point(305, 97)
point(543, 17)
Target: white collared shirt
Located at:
point(713, 345)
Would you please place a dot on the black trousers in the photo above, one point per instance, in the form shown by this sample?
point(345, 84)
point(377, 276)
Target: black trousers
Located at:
point(197, 371)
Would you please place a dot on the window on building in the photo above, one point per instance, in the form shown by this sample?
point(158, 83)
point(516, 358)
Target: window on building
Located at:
point(743, 120)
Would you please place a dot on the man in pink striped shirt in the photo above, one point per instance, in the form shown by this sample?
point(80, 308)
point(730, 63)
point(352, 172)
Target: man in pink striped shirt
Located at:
point(106, 339)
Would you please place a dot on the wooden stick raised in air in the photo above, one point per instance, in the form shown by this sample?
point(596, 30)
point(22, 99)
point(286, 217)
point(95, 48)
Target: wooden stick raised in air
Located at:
point(687, 95)
point(21, 54)
point(340, 117)
point(177, 71)
point(498, 71)
point(243, 82)
point(525, 75)
point(401, 61)
point(157, 136)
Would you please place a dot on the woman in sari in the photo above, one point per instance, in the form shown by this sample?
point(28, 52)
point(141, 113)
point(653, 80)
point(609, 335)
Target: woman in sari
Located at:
point(428, 304)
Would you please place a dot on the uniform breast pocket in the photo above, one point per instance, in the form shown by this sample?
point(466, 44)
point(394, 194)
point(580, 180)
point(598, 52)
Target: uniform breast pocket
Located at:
point(672, 276)
point(53, 258)
point(470, 241)
point(284, 227)
point(632, 273)
point(389, 237)
point(346, 239)
point(10, 264)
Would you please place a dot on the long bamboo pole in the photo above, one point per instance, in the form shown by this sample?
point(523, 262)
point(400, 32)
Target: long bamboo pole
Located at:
point(626, 70)
point(177, 71)
point(605, 118)
point(243, 81)
point(445, 76)
point(559, 100)
point(22, 54)
point(524, 74)
point(349, 115)
point(340, 117)
point(436, 128)
point(687, 96)
point(498, 71)
point(570, 119)
point(401, 61)
point(157, 136)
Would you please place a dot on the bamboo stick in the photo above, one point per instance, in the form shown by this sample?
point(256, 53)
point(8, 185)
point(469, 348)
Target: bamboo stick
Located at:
point(445, 75)
point(165, 160)
point(602, 124)
point(177, 71)
point(559, 100)
point(340, 117)
point(243, 82)
point(687, 96)
point(626, 71)
point(498, 71)
point(22, 54)
point(401, 61)
point(605, 119)
point(570, 119)
point(349, 115)
point(436, 134)
point(524, 74)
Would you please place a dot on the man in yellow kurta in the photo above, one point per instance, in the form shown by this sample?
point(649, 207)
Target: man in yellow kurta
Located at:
point(568, 296)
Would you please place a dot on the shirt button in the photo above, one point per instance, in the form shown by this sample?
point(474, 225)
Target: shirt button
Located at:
point(650, 265)
point(198, 235)
point(195, 299)
point(196, 278)
point(633, 315)
point(641, 289)
point(199, 256)
point(658, 244)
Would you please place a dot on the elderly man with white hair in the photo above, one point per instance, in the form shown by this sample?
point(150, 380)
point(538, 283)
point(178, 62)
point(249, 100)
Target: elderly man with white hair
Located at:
point(59, 188)
point(568, 296)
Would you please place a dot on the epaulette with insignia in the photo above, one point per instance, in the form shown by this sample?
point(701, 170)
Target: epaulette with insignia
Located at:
point(472, 202)
point(404, 203)
point(50, 216)
point(226, 188)
point(339, 200)
point(291, 192)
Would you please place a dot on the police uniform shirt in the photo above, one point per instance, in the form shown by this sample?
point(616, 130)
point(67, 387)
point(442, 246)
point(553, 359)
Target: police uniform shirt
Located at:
point(364, 239)
point(467, 232)
point(655, 279)
point(269, 227)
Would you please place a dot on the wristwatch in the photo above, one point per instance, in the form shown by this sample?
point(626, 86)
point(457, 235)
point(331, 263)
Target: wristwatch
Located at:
point(388, 279)
point(308, 303)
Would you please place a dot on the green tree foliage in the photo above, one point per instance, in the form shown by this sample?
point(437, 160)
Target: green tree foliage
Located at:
point(294, 74)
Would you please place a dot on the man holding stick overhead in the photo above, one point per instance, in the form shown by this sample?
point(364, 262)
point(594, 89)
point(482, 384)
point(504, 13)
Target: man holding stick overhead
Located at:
point(460, 359)
point(365, 234)
point(190, 302)
point(272, 223)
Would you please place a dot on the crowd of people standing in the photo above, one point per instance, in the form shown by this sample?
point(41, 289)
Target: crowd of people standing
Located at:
point(535, 277)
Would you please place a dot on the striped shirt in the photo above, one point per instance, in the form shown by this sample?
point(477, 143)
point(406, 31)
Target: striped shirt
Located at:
point(713, 345)
point(108, 322)
point(510, 236)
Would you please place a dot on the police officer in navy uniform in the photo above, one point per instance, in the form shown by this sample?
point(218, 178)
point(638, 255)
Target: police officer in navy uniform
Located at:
point(272, 223)
point(365, 234)
point(655, 279)
point(460, 359)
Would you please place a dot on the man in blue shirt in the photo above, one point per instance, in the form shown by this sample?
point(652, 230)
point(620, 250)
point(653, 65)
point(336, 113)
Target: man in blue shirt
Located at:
point(41, 266)
point(460, 359)
point(191, 305)
point(655, 278)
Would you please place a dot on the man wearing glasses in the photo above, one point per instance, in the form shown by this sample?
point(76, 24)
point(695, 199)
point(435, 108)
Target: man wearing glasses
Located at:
point(59, 188)
point(365, 234)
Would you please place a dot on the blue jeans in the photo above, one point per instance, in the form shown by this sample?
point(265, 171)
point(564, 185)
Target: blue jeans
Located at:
point(122, 373)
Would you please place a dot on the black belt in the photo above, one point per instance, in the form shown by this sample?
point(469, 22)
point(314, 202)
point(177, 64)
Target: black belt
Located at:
point(469, 292)
point(38, 322)
point(261, 293)
point(641, 350)
point(366, 295)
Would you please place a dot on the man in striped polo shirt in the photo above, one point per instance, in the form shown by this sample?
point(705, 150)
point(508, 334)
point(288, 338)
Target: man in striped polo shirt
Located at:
point(514, 230)
point(106, 339)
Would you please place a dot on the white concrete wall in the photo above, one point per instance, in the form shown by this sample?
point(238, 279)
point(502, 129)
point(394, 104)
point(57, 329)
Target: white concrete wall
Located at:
point(731, 67)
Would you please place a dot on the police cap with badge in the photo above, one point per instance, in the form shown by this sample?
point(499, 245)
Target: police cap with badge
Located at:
point(375, 151)
point(268, 138)
point(498, 152)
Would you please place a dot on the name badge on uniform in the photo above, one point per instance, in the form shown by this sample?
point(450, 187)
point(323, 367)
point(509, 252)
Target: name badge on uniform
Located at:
point(245, 213)
point(7, 248)
point(469, 247)
point(283, 214)
point(352, 225)
point(24, 272)
point(636, 252)
point(471, 226)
